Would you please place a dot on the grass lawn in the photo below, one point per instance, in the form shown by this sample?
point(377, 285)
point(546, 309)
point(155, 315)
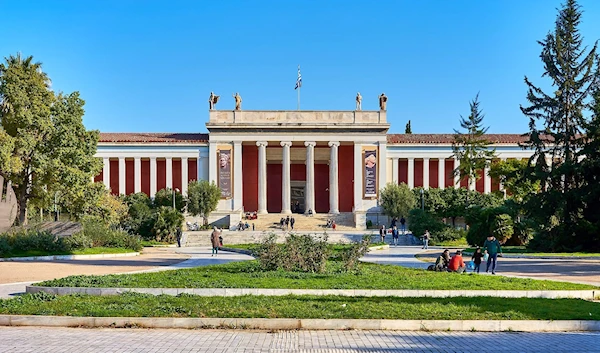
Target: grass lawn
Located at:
point(247, 274)
point(305, 307)
point(462, 242)
point(521, 250)
point(88, 251)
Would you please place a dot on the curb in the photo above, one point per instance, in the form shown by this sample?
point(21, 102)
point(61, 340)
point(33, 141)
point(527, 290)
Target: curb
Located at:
point(303, 324)
point(68, 257)
point(558, 257)
point(400, 293)
point(248, 252)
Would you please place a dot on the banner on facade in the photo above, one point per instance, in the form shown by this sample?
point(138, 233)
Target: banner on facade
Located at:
point(224, 158)
point(370, 173)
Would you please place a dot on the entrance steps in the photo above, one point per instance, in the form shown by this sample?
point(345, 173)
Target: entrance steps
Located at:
point(317, 222)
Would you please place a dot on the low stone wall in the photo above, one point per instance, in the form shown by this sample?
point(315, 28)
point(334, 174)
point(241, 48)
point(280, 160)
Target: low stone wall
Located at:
point(398, 293)
point(303, 324)
point(68, 257)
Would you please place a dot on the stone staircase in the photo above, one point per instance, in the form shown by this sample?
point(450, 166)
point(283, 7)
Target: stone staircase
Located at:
point(316, 222)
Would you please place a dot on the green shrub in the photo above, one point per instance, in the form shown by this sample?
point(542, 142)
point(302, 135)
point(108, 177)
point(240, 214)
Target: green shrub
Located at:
point(78, 241)
point(305, 254)
point(5, 247)
point(357, 250)
point(448, 234)
point(103, 236)
point(419, 221)
point(269, 253)
point(369, 224)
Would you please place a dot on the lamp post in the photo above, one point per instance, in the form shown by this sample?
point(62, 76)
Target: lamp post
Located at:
point(422, 201)
point(174, 192)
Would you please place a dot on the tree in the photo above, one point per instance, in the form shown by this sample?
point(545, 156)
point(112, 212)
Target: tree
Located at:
point(408, 129)
point(471, 148)
point(513, 174)
point(167, 220)
point(555, 123)
point(164, 197)
point(45, 147)
point(203, 198)
point(397, 200)
point(96, 203)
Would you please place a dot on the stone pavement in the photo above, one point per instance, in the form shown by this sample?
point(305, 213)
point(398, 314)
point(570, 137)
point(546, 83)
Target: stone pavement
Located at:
point(186, 258)
point(80, 340)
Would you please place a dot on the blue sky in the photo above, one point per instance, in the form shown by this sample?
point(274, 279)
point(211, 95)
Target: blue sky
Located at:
point(149, 66)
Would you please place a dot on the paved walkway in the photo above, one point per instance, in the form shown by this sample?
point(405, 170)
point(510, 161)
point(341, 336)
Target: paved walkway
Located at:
point(32, 339)
point(178, 258)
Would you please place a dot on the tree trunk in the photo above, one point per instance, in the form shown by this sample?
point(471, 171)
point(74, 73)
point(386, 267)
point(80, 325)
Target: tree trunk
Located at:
point(22, 211)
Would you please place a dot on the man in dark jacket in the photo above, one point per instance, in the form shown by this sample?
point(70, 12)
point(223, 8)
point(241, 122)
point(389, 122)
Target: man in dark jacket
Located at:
point(492, 245)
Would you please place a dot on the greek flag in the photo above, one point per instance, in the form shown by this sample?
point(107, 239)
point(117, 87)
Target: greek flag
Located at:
point(299, 79)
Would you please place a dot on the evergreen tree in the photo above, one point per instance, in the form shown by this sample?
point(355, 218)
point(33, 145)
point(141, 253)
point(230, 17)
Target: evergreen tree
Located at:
point(472, 148)
point(408, 129)
point(556, 121)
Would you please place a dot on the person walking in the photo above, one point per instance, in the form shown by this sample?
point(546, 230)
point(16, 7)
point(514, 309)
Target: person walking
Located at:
point(395, 235)
point(476, 258)
point(214, 240)
point(178, 234)
point(492, 245)
point(403, 225)
point(292, 222)
point(426, 239)
point(382, 231)
point(287, 223)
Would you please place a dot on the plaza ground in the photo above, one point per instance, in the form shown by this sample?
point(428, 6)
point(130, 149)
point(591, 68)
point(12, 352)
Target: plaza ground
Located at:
point(34, 339)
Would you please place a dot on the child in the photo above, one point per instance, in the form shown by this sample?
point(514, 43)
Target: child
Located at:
point(486, 256)
point(477, 256)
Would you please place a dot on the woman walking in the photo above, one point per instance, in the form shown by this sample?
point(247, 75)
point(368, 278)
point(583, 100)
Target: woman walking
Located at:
point(214, 240)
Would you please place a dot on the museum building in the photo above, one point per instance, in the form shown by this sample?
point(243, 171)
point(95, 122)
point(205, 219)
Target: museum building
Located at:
point(291, 161)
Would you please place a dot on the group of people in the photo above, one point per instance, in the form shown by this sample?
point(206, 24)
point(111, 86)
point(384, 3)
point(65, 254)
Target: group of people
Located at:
point(393, 229)
point(251, 215)
point(488, 254)
point(330, 224)
point(244, 226)
point(287, 222)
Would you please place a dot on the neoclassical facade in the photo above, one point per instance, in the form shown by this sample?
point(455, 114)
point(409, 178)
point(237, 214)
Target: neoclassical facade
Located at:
point(291, 161)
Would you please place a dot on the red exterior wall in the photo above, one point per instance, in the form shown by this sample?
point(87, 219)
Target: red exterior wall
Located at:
point(464, 183)
point(418, 173)
point(346, 178)
point(114, 177)
point(479, 186)
point(274, 179)
point(100, 177)
point(146, 176)
point(177, 174)
point(448, 168)
point(129, 177)
point(402, 171)
point(322, 188)
point(298, 172)
point(161, 174)
point(250, 177)
point(433, 173)
point(192, 169)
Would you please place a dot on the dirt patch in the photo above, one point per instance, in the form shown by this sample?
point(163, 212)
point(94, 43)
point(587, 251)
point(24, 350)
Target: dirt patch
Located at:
point(26, 271)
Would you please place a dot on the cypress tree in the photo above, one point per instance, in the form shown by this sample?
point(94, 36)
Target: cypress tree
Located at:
point(408, 129)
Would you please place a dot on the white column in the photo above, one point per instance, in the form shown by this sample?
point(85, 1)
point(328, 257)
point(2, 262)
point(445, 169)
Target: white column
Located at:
point(382, 168)
point(152, 176)
point(106, 172)
point(169, 167)
point(487, 180)
point(500, 184)
point(137, 175)
point(359, 165)
point(456, 175)
point(122, 179)
point(212, 162)
point(333, 177)
point(262, 176)
point(395, 165)
point(237, 176)
point(309, 202)
point(441, 173)
point(425, 173)
point(184, 175)
point(285, 179)
point(411, 173)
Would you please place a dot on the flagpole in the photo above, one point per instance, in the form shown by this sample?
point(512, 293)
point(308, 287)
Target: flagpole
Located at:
point(299, 98)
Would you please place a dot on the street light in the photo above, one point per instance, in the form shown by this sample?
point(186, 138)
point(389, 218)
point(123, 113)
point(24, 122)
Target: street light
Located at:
point(174, 192)
point(422, 200)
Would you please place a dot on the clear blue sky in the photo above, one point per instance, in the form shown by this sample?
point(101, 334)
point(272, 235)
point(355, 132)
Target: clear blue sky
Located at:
point(149, 66)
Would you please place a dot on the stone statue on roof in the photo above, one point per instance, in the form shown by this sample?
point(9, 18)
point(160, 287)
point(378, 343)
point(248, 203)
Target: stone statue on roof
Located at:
point(212, 101)
point(238, 101)
point(358, 101)
point(382, 102)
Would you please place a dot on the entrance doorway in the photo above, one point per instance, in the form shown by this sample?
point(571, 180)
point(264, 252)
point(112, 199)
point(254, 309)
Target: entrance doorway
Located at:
point(298, 190)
